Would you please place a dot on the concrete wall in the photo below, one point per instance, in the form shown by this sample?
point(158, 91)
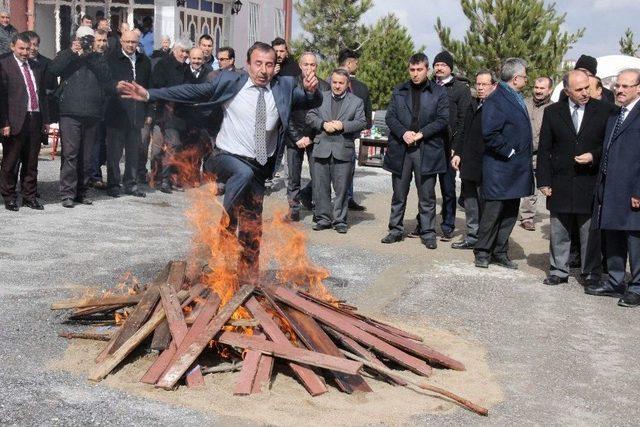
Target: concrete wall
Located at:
point(46, 28)
point(19, 14)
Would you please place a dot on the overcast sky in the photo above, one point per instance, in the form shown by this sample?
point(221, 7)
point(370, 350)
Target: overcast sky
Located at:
point(605, 21)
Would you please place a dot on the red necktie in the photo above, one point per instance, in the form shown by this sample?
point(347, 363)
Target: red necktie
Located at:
point(33, 98)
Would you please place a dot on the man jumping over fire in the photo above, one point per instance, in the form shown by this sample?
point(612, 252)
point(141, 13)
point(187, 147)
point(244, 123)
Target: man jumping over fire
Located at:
point(256, 108)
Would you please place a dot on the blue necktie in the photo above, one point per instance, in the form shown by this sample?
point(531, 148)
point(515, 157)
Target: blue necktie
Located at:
point(616, 129)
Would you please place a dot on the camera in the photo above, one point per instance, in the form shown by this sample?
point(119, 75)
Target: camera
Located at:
point(86, 43)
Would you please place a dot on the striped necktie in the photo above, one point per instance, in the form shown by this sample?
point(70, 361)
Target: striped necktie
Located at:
point(261, 128)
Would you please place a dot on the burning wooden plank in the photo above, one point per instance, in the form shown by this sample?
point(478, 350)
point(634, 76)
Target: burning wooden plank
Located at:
point(119, 300)
point(162, 335)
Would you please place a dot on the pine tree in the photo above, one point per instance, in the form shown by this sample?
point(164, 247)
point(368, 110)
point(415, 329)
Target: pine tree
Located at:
point(500, 29)
point(383, 63)
point(331, 25)
point(628, 45)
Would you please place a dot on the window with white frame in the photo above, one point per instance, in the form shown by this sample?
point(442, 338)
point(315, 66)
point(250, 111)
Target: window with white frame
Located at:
point(254, 25)
point(278, 25)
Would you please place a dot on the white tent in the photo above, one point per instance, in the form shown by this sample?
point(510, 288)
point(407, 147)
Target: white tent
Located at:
point(608, 68)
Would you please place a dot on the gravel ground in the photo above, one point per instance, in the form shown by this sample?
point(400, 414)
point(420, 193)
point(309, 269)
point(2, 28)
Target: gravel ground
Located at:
point(561, 357)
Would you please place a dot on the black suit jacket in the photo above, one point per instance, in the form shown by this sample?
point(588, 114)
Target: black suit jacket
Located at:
point(14, 94)
point(572, 184)
point(125, 113)
point(361, 90)
point(470, 144)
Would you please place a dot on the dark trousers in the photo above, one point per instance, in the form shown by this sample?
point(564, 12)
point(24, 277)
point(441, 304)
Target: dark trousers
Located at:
point(353, 173)
point(244, 192)
point(327, 173)
point(448, 191)
point(165, 146)
point(425, 185)
point(99, 152)
point(21, 149)
point(77, 136)
point(496, 225)
point(295, 158)
point(621, 245)
point(143, 155)
point(119, 141)
point(560, 245)
point(473, 204)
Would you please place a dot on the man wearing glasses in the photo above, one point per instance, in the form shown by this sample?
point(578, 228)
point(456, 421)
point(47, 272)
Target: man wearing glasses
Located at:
point(507, 172)
point(617, 207)
point(227, 59)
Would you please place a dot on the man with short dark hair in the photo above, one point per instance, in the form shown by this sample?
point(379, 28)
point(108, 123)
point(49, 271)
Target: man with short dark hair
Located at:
point(205, 42)
point(541, 99)
point(146, 40)
point(507, 172)
point(568, 162)
point(256, 108)
point(338, 122)
point(7, 31)
point(99, 151)
point(226, 57)
point(87, 21)
point(23, 119)
point(285, 66)
point(417, 117)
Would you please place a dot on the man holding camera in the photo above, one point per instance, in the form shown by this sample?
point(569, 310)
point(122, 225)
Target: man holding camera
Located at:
point(81, 103)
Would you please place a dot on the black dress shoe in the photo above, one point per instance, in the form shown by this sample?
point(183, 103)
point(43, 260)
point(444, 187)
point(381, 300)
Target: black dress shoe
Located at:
point(630, 299)
point(415, 233)
point(11, 205)
point(113, 192)
point(462, 245)
point(166, 188)
point(321, 226)
point(552, 280)
point(446, 236)
point(340, 228)
point(83, 200)
point(67, 203)
point(353, 206)
point(33, 204)
point(505, 262)
point(482, 262)
point(135, 193)
point(589, 283)
point(392, 238)
point(603, 289)
point(430, 243)
point(293, 216)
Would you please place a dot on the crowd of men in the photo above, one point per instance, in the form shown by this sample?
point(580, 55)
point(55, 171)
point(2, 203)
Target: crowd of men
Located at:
point(113, 95)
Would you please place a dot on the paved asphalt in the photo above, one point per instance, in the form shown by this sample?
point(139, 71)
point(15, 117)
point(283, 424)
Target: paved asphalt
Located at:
point(560, 357)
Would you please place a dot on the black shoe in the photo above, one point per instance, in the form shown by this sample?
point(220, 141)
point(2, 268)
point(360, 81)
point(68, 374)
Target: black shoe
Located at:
point(33, 204)
point(11, 205)
point(113, 192)
point(603, 289)
point(630, 299)
point(83, 200)
point(446, 236)
point(293, 216)
point(321, 226)
point(306, 201)
point(590, 283)
point(135, 193)
point(552, 280)
point(340, 228)
point(482, 262)
point(314, 219)
point(392, 238)
point(415, 233)
point(166, 188)
point(67, 203)
point(462, 245)
point(353, 206)
point(505, 262)
point(430, 243)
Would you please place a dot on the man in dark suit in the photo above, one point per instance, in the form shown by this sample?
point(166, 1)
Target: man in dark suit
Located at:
point(507, 172)
point(23, 119)
point(256, 108)
point(568, 160)
point(125, 117)
point(468, 151)
point(338, 122)
point(300, 140)
point(617, 207)
point(285, 64)
point(417, 117)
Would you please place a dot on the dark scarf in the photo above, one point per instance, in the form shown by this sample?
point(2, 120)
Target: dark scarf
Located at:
point(416, 94)
point(542, 102)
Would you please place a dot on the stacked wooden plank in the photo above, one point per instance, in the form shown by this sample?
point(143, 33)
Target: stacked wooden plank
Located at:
point(261, 325)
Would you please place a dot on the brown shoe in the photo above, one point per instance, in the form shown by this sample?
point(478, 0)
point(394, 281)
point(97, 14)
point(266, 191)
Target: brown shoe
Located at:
point(528, 225)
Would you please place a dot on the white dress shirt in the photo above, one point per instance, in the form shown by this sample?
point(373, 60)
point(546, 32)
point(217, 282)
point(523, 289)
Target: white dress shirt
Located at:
point(195, 72)
point(237, 133)
point(133, 58)
point(629, 108)
point(445, 80)
point(26, 85)
point(572, 107)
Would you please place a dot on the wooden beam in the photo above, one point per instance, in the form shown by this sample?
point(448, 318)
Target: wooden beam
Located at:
point(294, 354)
point(311, 382)
point(197, 340)
point(244, 383)
point(162, 335)
point(122, 300)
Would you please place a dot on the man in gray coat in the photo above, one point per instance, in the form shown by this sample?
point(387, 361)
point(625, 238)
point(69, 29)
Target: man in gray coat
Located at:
point(7, 31)
point(340, 118)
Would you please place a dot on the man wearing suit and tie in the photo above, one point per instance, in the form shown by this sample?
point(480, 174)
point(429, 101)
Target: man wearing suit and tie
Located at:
point(507, 172)
point(256, 108)
point(568, 161)
point(23, 119)
point(617, 206)
point(339, 121)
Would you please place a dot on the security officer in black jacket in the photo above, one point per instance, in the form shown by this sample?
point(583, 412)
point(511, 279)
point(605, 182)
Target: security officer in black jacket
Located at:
point(81, 105)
